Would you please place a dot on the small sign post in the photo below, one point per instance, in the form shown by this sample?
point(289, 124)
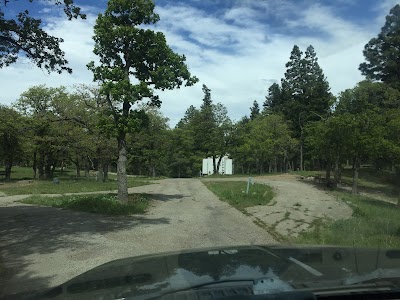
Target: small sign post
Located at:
point(249, 181)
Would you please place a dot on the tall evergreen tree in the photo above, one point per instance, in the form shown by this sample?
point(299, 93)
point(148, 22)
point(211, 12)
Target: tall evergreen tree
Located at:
point(382, 53)
point(272, 101)
point(305, 94)
point(254, 110)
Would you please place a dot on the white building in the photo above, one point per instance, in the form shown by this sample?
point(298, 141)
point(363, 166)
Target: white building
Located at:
point(225, 168)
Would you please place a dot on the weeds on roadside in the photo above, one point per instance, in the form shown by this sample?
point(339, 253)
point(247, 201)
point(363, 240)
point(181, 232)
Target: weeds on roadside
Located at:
point(374, 223)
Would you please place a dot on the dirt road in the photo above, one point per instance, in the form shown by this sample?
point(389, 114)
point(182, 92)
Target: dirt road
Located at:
point(42, 246)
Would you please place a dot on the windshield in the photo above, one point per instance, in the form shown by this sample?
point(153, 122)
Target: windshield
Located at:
point(190, 129)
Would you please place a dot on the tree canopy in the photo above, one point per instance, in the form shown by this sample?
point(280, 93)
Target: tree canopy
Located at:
point(24, 34)
point(382, 53)
point(128, 51)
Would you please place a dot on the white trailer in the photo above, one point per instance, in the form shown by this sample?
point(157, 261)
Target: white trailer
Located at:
point(225, 168)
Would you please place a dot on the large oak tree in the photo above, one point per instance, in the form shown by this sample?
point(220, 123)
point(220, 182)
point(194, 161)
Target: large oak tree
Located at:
point(134, 62)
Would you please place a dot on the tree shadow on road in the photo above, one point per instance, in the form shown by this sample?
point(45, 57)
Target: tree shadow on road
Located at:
point(27, 230)
point(165, 198)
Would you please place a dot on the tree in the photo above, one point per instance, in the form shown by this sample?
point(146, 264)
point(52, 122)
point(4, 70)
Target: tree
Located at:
point(305, 93)
point(128, 50)
point(148, 146)
point(272, 103)
point(329, 140)
point(270, 143)
point(254, 110)
point(212, 129)
point(369, 106)
point(11, 137)
point(37, 104)
point(382, 53)
point(24, 34)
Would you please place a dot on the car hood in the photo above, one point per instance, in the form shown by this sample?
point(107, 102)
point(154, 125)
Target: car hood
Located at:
point(281, 268)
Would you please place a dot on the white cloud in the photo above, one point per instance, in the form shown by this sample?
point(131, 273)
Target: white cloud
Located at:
point(236, 53)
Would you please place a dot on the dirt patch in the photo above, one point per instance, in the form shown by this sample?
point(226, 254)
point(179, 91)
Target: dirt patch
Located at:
point(296, 205)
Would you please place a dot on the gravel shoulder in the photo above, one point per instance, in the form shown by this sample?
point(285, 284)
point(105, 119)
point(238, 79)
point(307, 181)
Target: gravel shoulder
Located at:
point(43, 246)
point(296, 205)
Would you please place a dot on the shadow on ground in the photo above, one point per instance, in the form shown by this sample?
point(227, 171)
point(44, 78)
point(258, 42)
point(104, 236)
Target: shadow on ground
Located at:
point(164, 197)
point(26, 230)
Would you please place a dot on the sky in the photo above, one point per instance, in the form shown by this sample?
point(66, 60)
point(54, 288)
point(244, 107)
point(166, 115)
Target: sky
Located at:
point(238, 48)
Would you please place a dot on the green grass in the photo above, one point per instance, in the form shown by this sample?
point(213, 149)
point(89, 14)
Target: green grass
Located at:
point(101, 204)
point(66, 185)
point(374, 224)
point(234, 192)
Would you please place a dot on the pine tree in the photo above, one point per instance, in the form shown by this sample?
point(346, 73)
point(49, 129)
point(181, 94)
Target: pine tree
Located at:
point(272, 103)
point(305, 93)
point(383, 52)
point(254, 110)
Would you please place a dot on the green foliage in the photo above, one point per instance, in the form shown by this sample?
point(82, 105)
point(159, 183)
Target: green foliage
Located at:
point(234, 192)
point(305, 92)
point(146, 147)
point(64, 127)
point(11, 138)
point(369, 107)
point(382, 53)
point(125, 49)
point(106, 204)
point(265, 142)
point(209, 130)
point(25, 34)
point(254, 110)
point(273, 100)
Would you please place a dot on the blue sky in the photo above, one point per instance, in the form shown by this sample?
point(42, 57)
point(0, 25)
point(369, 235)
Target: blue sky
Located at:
point(236, 47)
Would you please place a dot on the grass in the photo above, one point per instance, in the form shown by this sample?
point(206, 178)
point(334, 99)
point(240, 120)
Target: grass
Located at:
point(234, 192)
point(68, 183)
point(374, 224)
point(100, 204)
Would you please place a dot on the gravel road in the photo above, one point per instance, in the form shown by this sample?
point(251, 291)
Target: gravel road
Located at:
point(42, 246)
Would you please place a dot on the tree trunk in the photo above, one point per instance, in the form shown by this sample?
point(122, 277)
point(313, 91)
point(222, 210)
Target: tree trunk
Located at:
point(41, 166)
point(78, 168)
point(34, 166)
point(122, 177)
point(328, 173)
point(86, 170)
point(8, 167)
point(100, 172)
point(337, 172)
point(153, 171)
point(215, 171)
point(105, 172)
point(219, 163)
point(301, 155)
point(356, 167)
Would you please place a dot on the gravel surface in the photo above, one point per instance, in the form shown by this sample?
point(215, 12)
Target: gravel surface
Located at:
point(43, 246)
point(296, 205)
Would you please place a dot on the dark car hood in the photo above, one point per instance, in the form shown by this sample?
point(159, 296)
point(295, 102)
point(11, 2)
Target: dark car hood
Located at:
point(285, 267)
